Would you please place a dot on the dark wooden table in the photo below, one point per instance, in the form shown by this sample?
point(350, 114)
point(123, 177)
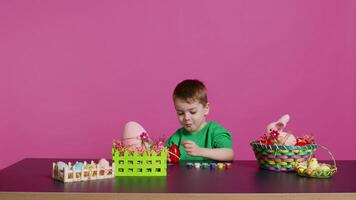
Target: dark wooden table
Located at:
point(31, 179)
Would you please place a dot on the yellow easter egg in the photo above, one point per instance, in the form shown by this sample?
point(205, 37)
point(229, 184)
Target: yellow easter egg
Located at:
point(301, 170)
point(323, 168)
point(309, 171)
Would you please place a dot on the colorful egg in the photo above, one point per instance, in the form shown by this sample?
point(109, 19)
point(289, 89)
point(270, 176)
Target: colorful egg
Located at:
point(174, 153)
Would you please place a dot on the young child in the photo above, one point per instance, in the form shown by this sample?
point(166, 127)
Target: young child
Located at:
point(198, 139)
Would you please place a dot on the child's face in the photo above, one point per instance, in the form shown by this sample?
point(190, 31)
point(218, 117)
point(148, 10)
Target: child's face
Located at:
point(191, 115)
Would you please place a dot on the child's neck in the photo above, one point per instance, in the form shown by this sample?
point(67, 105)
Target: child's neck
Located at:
point(200, 128)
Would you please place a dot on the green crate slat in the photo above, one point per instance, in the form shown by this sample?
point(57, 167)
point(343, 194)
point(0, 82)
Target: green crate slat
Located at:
point(137, 165)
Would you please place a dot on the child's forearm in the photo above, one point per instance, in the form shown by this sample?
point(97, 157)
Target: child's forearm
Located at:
point(219, 154)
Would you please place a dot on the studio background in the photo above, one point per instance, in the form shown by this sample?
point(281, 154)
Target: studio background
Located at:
point(72, 73)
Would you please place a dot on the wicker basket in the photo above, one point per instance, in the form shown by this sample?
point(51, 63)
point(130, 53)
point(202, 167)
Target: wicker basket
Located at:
point(319, 174)
point(281, 158)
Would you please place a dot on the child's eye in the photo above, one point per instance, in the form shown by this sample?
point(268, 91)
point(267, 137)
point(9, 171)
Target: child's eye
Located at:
point(179, 113)
point(193, 112)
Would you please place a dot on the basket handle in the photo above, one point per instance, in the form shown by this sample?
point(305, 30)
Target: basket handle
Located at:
point(329, 154)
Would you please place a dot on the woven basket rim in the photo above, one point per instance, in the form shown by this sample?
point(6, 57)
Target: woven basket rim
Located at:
point(282, 147)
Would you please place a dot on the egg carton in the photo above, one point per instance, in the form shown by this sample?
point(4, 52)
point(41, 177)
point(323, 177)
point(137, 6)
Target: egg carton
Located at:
point(82, 171)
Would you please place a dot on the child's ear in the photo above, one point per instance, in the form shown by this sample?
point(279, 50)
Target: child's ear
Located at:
point(207, 109)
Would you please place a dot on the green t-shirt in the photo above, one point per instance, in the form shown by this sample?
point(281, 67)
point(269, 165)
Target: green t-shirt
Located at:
point(212, 135)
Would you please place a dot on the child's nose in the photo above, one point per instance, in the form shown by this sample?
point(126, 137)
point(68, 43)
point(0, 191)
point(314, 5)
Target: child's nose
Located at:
point(186, 116)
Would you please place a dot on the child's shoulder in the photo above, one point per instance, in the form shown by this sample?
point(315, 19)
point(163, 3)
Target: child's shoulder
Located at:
point(217, 130)
point(216, 126)
point(221, 136)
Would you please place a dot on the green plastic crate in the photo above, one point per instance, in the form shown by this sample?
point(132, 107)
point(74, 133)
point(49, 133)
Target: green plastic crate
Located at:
point(140, 165)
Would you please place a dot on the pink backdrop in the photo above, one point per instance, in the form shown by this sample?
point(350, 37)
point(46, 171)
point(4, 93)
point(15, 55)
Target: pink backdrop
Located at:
point(73, 72)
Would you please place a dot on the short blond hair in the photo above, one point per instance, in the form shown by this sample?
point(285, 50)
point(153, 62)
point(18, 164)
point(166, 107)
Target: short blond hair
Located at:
point(191, 90)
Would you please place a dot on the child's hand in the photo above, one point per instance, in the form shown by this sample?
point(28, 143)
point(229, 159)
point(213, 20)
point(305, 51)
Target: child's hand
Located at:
point(191, 148)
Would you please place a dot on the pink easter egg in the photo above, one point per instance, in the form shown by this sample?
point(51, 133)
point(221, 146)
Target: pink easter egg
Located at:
point(131, 134)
